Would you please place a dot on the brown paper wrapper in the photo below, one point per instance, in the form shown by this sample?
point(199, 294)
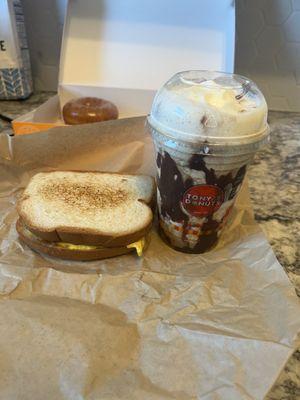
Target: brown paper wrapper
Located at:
point(165, 326)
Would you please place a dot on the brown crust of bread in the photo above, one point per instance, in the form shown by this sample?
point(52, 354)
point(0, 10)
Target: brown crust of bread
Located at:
point(75, 235)
point(51, 249)
point(86, 238)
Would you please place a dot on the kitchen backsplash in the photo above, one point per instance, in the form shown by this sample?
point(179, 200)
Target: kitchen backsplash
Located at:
point(268, 49)
point(267, 46)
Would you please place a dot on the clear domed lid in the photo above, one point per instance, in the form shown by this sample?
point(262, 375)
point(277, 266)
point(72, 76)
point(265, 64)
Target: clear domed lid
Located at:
point(196, 106)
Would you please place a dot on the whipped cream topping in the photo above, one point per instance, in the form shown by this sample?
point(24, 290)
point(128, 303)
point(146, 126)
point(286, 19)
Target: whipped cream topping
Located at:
point(200, 105)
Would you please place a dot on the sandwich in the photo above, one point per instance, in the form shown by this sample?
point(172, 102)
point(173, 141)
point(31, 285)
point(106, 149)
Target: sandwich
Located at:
point(86, 215)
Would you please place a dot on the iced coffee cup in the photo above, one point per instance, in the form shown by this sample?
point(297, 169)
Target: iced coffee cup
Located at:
point(206, 128)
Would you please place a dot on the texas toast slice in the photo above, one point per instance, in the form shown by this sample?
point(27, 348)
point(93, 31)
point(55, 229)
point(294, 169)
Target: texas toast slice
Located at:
point(88, 208)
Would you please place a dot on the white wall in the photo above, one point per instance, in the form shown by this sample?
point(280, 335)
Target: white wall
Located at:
point(267, 50)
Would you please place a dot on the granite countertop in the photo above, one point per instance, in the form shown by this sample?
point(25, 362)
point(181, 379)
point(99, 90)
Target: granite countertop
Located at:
point(274, 181)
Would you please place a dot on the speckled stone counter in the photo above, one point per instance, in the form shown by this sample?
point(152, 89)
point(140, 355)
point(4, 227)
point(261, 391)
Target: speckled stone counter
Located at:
point(274, 180)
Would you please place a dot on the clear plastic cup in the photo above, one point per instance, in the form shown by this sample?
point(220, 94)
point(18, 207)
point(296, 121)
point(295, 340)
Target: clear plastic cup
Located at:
point(206, 127)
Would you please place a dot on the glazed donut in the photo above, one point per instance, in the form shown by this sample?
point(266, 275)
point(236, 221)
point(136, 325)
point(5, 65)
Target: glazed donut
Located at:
point(85, 110)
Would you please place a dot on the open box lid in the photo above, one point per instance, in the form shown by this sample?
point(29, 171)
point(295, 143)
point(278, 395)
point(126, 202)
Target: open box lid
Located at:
point(137, 45)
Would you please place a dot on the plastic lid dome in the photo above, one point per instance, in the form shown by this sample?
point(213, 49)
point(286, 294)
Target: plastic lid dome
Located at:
point(218, 107)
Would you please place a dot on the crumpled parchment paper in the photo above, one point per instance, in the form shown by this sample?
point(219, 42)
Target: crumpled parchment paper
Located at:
point(165, 326)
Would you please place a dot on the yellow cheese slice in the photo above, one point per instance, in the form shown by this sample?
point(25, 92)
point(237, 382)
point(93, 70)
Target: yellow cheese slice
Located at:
point(139, 246)
point(71, 246)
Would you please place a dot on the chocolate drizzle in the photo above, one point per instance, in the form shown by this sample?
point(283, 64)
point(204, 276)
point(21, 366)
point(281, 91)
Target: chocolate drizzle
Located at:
point(172, 187)
point(158, 160)
point(245, 89)
point(197, 162)
point(203, 120)
point(237, 181)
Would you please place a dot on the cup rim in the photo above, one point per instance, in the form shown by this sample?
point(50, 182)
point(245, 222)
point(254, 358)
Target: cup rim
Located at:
point(257, 138)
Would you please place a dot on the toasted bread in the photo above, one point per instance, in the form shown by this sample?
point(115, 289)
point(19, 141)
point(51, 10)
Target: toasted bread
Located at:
point(56, 250)
point(88, 208)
